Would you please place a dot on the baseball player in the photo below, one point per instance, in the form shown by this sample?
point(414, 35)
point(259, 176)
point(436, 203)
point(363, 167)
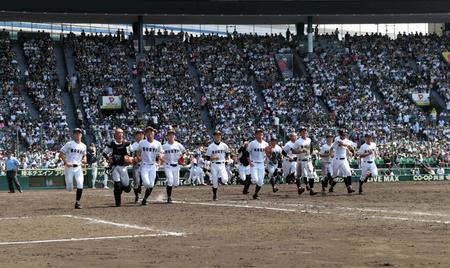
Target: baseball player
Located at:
point(273, 161)
point(173, 150)
point(117, 155)
point(290, 159)
point(150, 151)
point(367, 152)
point(217, 153)
point(341, 148)
point(244, 163)
point(73, 154)
point(138, 137)
point(326, 156)
point(305, 169)
point(257, 150)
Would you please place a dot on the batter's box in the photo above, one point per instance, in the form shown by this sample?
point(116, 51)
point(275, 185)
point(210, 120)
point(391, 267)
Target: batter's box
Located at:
point(66, 228)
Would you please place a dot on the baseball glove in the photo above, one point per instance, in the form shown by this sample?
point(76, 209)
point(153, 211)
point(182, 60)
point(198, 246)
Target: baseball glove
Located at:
point(128, 160)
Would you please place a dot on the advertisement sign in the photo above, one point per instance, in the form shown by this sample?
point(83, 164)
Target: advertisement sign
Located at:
point(111, 103)
point(421, 99)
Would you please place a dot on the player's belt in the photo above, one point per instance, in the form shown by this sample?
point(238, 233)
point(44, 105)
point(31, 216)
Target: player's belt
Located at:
point(257, 162)
point(342, 158)
point(151, 164)
point(305, 160)
point(218, 163)
point(173, 165)
point(369, 162)
point(74, 165)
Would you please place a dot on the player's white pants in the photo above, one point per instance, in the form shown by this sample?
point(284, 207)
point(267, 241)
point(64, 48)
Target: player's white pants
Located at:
point(172, 175)
point(120, 174)
point(289, 167)
point(326, 168)
point(193, 174)
point(366, 167)
point(341, 167)
point(243, 172)
point(257, 172)
point(94, 172)
point(148, 175)
point(218, 171)
point(200, 175)
point(137, 177)
point(271, 170)
point(305, 169)
point(73, 173)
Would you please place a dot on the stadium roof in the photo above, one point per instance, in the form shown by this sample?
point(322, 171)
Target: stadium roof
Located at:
point(228, 11)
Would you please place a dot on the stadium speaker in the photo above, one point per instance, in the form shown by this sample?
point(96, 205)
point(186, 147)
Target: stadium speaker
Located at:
point(300, 27)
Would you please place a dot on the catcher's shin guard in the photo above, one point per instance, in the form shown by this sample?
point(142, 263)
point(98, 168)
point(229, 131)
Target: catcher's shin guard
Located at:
point(117, 193)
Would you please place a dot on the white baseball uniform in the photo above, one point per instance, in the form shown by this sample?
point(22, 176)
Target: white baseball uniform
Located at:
point(368, 162)
point(340, 164)
point(74, 153)
point(136, 167)
point(272, 163)
point(326, 161)
point(218, 169)
point(257, 158)
point(289, 163)
point(149, 153)
point(244, 167)
point(172, 153)
point(305, 168)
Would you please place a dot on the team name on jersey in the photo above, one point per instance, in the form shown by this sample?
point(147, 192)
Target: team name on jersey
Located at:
point(258, 149)
point(150, 149)
point(76, 151)
point(218, 152)
point(172, 151)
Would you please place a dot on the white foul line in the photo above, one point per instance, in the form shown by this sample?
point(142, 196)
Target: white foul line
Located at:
point(123, 225)
point(316, 212)
point(79, 239)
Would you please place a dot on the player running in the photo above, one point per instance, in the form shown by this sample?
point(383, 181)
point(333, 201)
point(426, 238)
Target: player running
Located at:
point(217, 153)
point(173, 151)
point(326, 156)
point(367, 152)
point(73, 154)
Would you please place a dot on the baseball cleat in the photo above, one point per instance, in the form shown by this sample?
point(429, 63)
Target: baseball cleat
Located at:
point(311, 192)
point(301, 190)
point(350, 190)
point(136, 199)
point(169, 200)
point(331, 190)
point(275, 190)
point(255, 196)
point(77, 206)
point(144, 202)
point(215, 198)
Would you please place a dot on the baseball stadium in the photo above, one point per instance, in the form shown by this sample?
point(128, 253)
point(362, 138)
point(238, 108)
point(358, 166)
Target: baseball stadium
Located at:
point(225, 133)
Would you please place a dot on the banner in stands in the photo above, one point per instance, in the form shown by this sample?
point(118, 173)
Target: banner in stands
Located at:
point(421, 99)
point(111, 103)
point(446, 56)
point(286, 64)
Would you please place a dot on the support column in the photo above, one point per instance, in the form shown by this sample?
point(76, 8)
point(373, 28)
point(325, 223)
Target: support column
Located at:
point(310, 35)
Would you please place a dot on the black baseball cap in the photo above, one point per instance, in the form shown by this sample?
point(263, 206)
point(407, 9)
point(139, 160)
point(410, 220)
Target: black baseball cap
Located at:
point(273, 138)
point(149, 129)
point(368, 135)
point(342, 131)
point(329, 135)
point(217, 132)
point(139, 131)
point(170, 131)
point(259, 130)
point(75, 130)
point(303, 128)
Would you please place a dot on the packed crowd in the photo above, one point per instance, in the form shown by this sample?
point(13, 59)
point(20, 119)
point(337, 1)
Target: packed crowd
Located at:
point(14, 114)
point(224, 79)
point(170, 92)
point(103, 70)
point(41, 84)
point(366, 84)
